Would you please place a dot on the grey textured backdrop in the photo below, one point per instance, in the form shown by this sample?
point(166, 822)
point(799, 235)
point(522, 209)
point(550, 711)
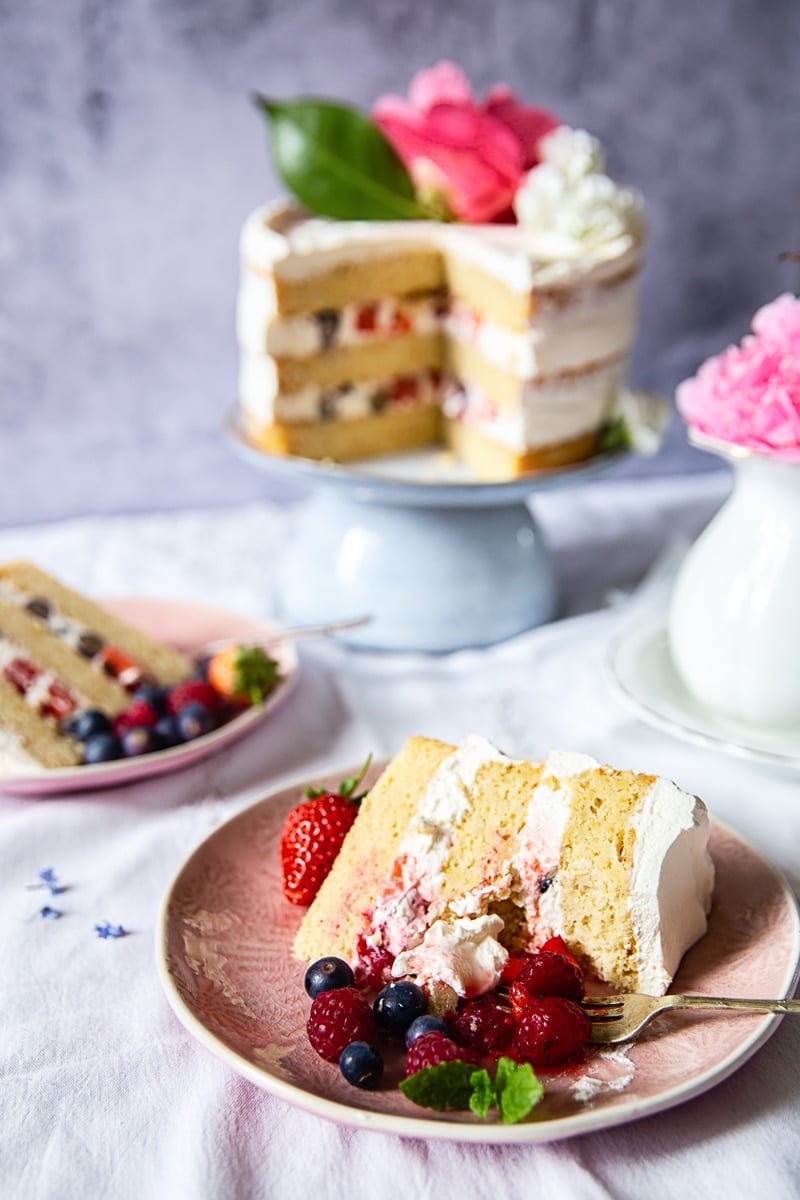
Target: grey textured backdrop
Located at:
point(129, 155)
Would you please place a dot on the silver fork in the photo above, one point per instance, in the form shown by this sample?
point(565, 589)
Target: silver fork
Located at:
point(619, 1018)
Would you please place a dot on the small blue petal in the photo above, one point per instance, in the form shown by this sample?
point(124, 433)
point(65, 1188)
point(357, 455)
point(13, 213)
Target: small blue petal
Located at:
point(107, 930)
point(49, 914)
point(48, 876)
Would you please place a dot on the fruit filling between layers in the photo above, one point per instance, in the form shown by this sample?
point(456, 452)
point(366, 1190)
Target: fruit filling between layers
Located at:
point(502, 855)
point(41, 689)
point(110, 660)
point(262, 403)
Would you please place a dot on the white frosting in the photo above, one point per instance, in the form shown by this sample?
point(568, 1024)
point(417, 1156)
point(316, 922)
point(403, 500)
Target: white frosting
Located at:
point(570, 210)
point(283, 241)
point(671, 882)
point(671, 879)
point(463, 953)
point(14, 758)
point(403, 913)
point(598, 324)
point(549, 411)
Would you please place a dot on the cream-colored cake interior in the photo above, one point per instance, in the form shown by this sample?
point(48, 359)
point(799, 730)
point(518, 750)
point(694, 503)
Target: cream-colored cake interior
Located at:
point(341, 908)
point(594, 875)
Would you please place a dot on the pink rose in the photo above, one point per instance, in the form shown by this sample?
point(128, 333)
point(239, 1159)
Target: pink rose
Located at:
point(749, 394)
point(472, 155)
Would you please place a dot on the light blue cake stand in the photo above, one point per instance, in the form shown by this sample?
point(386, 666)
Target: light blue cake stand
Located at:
point(437, 560)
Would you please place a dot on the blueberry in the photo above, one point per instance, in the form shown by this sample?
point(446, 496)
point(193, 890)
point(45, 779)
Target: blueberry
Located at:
point(88, 723)
point(102, 747)
point(140, 740)
point(193, 721)
point(425, 1024)
point(167, 730)
point(361, 1065)
point(39, 607)
point(153, 695)
point(327, 974)
point(90, 644)
point(201, 667)
point(398, 1005)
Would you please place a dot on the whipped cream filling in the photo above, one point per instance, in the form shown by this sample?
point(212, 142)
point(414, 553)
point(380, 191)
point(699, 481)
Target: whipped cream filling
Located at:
point(463, 953)
point(405, 909)
point(262, 403)
point(262, 331)
point(549, 412)
point(672, 876)
point(14, 758)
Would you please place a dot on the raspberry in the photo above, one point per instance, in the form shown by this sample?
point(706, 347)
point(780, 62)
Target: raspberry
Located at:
point(338, 1018)
point(194, 691)
point(139, 713)
point(557, 945)
point(550, 1031)
point(484, 1025)
point(545, 974)
point(367, 318)
point(434, 1048)
point(374, 965)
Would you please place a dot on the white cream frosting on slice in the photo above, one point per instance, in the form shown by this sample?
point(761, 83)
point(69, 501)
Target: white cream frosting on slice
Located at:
point(463, 953)
point(672, 876)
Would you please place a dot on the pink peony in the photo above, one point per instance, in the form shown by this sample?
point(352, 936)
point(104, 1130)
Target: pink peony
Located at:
point(750, 394)
point(473, 155)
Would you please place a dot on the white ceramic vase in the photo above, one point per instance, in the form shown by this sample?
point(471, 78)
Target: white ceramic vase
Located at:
point(734, 621)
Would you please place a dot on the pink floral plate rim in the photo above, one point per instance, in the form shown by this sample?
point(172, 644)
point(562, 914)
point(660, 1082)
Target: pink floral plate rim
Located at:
point(223, 956)
point(188, 626)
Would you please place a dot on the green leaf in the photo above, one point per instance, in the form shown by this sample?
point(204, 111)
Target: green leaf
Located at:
point(615, 436)
point(349, 785)
point(518, 1090)
point(338, 163)
point(447, 1085)
point(256, 674)
point(483, 1095)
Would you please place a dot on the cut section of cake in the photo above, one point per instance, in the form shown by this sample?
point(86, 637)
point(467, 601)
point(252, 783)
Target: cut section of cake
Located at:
point(462, 855)
point(508, 343)
point(60, 653)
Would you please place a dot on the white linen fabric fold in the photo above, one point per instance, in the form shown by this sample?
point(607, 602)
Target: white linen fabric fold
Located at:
point(102, 1091)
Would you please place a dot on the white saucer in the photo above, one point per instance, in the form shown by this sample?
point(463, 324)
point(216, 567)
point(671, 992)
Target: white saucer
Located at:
point(642, 670)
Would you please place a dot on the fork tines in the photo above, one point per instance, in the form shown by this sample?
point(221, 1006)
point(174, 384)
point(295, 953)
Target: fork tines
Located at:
point(603, 1008)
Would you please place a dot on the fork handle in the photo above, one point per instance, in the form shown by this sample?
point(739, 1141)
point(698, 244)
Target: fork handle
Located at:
point(774, 1006)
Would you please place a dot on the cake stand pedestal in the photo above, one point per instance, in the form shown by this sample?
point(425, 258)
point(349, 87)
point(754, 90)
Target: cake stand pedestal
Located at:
point(438, 561)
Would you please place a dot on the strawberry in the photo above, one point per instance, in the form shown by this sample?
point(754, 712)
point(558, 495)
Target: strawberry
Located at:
point(367, 318)
point(312, 837)
point(243, 674)
point(193, 691)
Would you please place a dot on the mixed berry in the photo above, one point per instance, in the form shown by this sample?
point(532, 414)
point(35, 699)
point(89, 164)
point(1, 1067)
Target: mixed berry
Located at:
point(161, 717)
point(483, 1046)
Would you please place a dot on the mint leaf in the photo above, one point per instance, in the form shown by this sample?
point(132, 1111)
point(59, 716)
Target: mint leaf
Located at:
point(615, 436)
point(444, 1086)
point(483, 1095)
point(518, 1090)
point(338, 163)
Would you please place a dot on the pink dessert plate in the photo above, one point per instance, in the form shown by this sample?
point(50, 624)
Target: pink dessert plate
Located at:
point(188, 627)
point(223, 953)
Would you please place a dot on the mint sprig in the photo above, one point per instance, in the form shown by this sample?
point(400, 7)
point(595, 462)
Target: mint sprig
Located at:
point(338, 163)
point(515, 1090)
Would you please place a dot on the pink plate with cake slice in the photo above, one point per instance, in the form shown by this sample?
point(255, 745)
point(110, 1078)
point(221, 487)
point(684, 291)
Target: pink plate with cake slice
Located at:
point(189, 627)
point(223, 954)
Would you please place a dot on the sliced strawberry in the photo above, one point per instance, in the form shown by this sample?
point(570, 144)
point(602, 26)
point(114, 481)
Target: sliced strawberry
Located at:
point(557, 945)
point(367, 318)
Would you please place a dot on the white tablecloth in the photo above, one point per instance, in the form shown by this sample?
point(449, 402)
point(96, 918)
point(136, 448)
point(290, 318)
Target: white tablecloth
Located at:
point(103, 1091)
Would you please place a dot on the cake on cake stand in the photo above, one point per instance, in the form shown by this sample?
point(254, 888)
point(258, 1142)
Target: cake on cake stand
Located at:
point(439, 561)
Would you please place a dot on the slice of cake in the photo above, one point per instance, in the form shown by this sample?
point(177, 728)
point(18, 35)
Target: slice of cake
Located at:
point(60, 653)
point(503, 334)
point(460, 855)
